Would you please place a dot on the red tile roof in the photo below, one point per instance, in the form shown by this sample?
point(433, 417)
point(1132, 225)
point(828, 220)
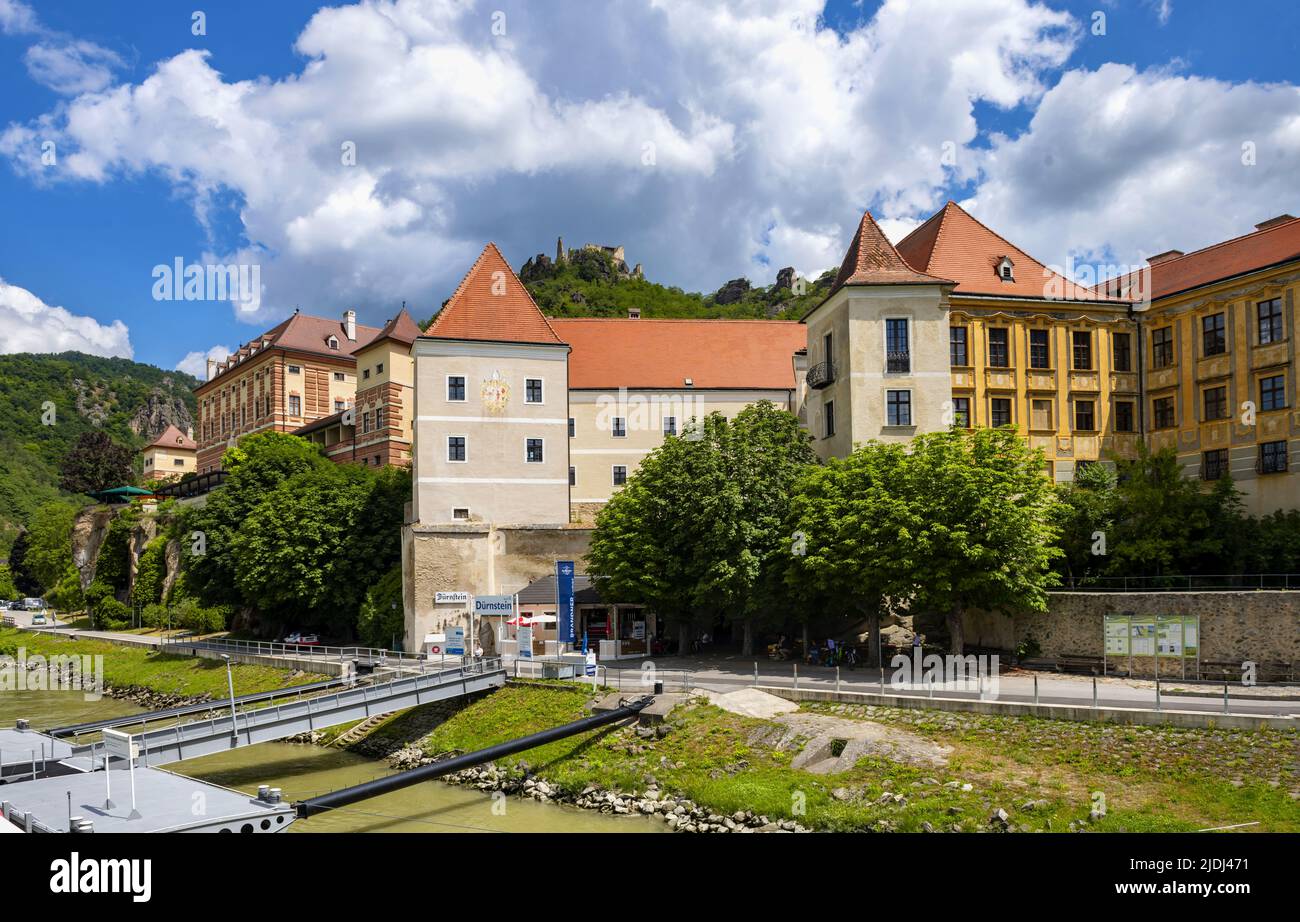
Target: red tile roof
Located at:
point(742, 354)
point(1274, 244)
point(173, 438)
point(401, 329)
point(492, 304)
point(305, 333)
point(872, 260)
point(955, 245)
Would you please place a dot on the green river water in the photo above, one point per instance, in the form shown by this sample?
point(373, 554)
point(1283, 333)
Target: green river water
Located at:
point(301, 771)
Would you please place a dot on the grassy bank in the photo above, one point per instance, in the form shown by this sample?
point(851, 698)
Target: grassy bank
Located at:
point(1045, 775)
point(143, 668)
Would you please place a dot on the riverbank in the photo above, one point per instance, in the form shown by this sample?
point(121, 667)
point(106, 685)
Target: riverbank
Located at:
point(711, 770)
point(150, 679)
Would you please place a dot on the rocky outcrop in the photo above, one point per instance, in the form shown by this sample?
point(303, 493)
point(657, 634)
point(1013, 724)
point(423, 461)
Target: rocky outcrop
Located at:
point(160, 410)
point(731, 292)
point(89, 529)
point(144, 532)
point(173, 558)
point(785, 278)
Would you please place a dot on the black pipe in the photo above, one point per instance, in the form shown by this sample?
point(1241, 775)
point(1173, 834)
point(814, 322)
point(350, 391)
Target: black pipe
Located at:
point(346, 796)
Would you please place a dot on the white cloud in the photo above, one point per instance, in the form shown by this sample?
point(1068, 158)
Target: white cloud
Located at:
point(1121, 164)
point(749, 129)
point(31, 325)
point(73, 67)
point(17, 18)
point(196, 363)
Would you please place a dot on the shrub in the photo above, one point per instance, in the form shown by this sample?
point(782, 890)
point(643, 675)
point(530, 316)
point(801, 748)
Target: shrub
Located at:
point(381, 618)
point(112, 615)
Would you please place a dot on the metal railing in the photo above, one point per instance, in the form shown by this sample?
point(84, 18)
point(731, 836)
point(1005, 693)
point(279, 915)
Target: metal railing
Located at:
point(1209, 582)
point(821, 375)
point(898, 362)
point(369, 655)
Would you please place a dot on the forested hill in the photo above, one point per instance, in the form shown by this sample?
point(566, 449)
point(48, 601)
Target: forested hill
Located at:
point(131, 402)
point(592, 283)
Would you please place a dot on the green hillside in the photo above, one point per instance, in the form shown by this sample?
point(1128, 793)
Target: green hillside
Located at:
point(130, 401)
point(591, 283)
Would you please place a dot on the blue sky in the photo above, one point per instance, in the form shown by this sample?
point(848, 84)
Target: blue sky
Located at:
point(769, 131)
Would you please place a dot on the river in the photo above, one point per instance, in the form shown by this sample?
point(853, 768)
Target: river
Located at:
point(302, 770)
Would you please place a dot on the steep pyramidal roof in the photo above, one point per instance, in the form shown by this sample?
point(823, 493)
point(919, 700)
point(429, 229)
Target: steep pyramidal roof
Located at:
point(955, 245)
point(872, 260)
point(173, 438)
point(401, 329)
point(492, 304)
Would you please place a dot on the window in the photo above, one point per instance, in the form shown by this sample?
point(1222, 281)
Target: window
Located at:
point(1162, 347)
point(1214, 335)
point(898, 408)
point(1272, 392)
point(456, 448)
point(828, 347)
point(379, 418)
point(333, 342)
point(294, 370)
point(1082, 343)
point(1270, 321)
point(620, 427)
point(828, 418)
point(898, 359)
point(573, 427)
point(340, 376)
point(1214, 464)
point(961, 412)
point(460, 512)
point(533, 390)
point(670, 425)
point(1122, 347)
point(1006, 269)
point(1085, 416)
point(365, 422)
point(338, 405)
point(1216, 402)
point(957, 346)
point(620, 474)
point(179, 462)
point(1000, 411)
point(533, 451)
point(1040, 414)
point(365, 375)
point(295, 405)
point(999, 357)
point(1272, 458)
point(1124, 415)
point(1039, 351)
point(573, 476)
point(455, 388)
point(379, 369)
point(1162, 411)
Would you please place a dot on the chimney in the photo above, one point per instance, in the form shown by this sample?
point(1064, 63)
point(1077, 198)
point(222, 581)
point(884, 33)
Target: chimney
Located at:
point(350, 324)
point(212, 364)
point(634, 313)
point(1164, 257)
point(1274, 222)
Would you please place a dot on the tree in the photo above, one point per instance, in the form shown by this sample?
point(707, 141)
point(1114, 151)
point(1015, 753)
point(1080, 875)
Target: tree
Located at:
point(24, 580)
point(95, 463)
point(765, 452)
point(49, 535)
point(1084, 517)
point(8, 591)
point(658, 541)
point(382, 618)
point(851, 522)
point(982, 533)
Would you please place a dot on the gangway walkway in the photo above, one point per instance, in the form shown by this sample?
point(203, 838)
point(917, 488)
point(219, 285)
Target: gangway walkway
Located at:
point(245, 728)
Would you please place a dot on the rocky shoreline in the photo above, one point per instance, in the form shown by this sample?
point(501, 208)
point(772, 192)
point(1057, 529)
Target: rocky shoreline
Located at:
point(679, 813)
point(152, 700)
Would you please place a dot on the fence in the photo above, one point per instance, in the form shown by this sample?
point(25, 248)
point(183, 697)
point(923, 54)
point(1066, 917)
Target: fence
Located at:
point(1217, 582)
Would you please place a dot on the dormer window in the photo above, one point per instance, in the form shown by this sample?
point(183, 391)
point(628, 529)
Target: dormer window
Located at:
point(333, 342)
point(1006, 269)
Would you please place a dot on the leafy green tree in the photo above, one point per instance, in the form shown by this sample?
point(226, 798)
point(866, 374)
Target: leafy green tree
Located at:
point(1083, 517)
point(382, 618)
point(49, 534)
point(25, 581)
point(95, 463)
point(981, 525)
point(8, 591)
point(150, 571)
point(658, 541)
point(851, 522)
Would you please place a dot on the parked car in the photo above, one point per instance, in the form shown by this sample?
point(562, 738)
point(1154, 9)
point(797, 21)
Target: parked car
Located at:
point(303, 640)
point(39, 619)
point(34, 605)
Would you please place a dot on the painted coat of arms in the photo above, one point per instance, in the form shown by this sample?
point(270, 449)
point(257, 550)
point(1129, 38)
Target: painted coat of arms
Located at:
point(495, 393)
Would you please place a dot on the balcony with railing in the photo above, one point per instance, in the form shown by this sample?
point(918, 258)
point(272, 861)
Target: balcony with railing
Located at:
point(898, 363)
point(821, 375)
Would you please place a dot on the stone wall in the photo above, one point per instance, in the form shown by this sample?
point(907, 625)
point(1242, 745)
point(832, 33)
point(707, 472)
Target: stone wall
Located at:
point(1262, 626)
point(480, 559)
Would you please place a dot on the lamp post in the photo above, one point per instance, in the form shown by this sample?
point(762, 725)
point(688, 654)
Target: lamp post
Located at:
point(230, 683)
